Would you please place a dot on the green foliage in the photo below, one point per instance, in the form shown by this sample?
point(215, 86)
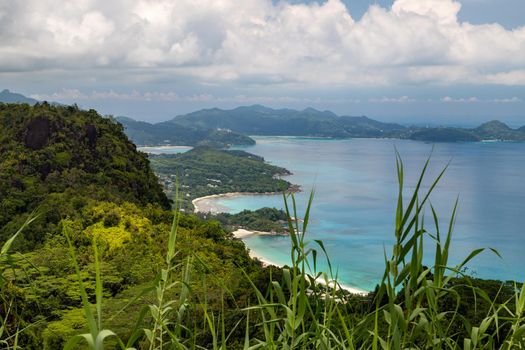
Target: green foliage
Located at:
point(204, 171)
point(56, 158)
point(112, 268)
point(263, 219)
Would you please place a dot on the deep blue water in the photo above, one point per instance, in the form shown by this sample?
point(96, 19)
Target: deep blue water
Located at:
point(355, 196)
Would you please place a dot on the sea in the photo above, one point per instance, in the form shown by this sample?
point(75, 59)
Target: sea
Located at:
point(355, 189)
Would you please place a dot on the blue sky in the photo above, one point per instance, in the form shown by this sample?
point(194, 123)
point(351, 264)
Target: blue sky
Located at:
point(411, 61)
point(509, 13)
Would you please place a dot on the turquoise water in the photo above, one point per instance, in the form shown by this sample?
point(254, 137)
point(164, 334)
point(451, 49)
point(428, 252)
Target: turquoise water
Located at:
point(355, 194)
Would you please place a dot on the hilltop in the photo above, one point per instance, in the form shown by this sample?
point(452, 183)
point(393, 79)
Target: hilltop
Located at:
point(53, 158)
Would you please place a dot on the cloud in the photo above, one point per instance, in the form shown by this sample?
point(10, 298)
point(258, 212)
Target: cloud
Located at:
point(448, 99)
point(402, 99)
point(72, 95)
point(258, 42)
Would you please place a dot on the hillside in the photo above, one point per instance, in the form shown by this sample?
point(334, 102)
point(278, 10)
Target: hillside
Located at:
point(143, 133)
point(54, 158)
point(204, 171)
point(85, 179)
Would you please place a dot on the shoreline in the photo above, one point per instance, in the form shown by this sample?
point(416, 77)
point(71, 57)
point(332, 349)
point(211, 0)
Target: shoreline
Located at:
point(200, 205)
point(243, 233)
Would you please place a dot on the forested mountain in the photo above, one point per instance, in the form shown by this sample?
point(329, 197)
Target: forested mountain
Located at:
point(55, 158)
point(81, 176)
point(143, 133)
point(259, 120)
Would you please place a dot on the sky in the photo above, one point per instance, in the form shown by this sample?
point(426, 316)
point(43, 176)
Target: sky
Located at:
point(453, 62)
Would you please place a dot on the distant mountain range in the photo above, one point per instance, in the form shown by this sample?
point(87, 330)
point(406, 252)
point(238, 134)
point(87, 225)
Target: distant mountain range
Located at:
point(221, 128)
point(7, 96)
point(143, 133)
point(259, 120)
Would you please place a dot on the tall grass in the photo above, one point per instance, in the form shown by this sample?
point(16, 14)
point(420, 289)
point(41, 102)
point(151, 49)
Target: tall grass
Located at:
point(414, 306)
point(10, 322)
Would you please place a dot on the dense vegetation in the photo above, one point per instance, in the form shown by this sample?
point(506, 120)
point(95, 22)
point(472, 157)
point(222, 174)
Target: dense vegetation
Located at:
point(81, 175)
point(116, 269)
point(143, 133)
point(204, 171)
point(263, 219)
point(59, 160)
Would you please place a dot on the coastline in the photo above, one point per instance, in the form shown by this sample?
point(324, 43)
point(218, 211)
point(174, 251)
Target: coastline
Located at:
point(243, 233)
point(202, 204)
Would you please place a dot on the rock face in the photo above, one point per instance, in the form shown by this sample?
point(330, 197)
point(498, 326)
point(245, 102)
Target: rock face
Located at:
point(37, 133)
point(91, 135)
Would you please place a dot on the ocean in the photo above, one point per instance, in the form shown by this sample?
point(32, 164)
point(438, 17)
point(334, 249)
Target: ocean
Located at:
point(355, 190)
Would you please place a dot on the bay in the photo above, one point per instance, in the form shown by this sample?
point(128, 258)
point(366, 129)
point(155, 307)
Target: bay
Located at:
point(356, 188)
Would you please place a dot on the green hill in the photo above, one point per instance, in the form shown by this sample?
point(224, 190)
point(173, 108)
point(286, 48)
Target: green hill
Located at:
point(84, 177)
point(204, 171)
point(54, 158)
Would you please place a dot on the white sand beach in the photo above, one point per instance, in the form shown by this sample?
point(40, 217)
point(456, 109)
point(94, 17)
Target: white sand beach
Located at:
point(207, 204)
point(243, 233)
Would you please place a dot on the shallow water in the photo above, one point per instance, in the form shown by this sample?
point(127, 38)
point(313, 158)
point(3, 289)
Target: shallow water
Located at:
point(355, 196)
point(164, 149)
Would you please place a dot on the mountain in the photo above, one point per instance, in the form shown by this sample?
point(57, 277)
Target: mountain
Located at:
point(260, 120)
point(144, 133)
point(7, 96)
point(57, 159)
point(496, 130)
point(90, 187)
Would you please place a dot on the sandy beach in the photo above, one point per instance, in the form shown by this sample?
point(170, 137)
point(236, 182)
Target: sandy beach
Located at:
point(206, 204)
point(243, 233)
point(164, 149)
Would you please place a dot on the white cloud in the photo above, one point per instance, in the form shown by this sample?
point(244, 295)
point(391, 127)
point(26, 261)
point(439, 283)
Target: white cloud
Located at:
point(402, 99)
point(259, 42)
point(473, 99)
